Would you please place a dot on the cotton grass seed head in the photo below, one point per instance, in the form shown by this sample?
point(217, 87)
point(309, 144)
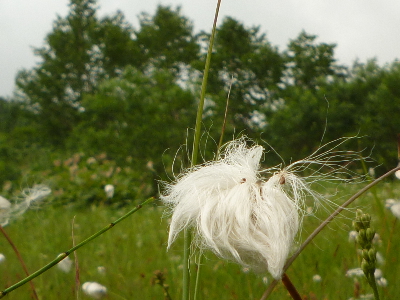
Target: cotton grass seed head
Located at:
point(236, 212)
point(94, 290)
point(109, 190)
point(31, 197)
point(65, 265)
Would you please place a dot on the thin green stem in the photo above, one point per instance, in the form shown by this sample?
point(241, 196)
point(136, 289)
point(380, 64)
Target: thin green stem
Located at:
point(196, 287)
point(323, 224)
point(200, 108)
point(187, 238)
point(221, 138)
point(68, 252)
point(372, 282)
point(195, 151)
point(34, 294)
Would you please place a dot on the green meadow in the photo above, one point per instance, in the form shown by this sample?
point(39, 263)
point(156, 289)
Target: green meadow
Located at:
point(134, 249)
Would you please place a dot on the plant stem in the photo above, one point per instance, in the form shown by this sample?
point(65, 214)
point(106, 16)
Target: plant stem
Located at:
point(195, 151)
point(196, 286)
point(68, 252)
point(323, 224)
point(221, 138)
point(186, 264)
point(290, 287)
point(34, 294)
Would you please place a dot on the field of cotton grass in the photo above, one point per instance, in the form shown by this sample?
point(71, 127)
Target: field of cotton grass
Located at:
point(124, 260)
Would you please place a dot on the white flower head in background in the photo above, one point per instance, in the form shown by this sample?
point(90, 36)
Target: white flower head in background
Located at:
point(394, 206)
point(395, 209)
point(31, 197)
point(109, 189)
point(2, 257)
point(238, 214)
point(5, 210)
point(94, 290)
point(65, 265)
point(317, 278)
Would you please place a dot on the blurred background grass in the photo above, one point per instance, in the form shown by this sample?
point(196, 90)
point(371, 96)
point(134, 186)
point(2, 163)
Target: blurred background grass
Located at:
point(135, 248)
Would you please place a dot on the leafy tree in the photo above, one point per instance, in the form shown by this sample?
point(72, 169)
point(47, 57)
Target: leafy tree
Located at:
point(307, 61)
point(166, 39)
point(306, 108)
point(376, 117)
point(79, 52)
point(137, 114)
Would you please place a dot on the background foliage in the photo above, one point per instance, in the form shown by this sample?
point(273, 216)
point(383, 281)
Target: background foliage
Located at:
point(103, 86)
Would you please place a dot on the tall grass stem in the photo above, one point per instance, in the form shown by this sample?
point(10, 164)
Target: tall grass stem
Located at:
point(34, 294)
point(195, 151)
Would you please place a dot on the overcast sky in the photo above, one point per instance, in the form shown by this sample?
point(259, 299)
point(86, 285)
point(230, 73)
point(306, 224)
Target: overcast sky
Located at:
point(361, 29)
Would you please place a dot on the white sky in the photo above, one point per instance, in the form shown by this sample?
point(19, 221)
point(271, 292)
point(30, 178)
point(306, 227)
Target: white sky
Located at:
point(361, 29)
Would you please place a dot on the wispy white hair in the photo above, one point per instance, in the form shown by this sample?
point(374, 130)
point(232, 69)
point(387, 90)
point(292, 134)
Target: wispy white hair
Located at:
point(235, 213)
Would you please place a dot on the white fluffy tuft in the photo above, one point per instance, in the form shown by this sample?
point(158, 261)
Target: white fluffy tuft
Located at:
point(234, 212)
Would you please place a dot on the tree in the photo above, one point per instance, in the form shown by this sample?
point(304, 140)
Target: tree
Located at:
point(137, 114)
point(306, 107)
point(378, 90)
point(80, 52)
point(307, 61)
point(166, 39)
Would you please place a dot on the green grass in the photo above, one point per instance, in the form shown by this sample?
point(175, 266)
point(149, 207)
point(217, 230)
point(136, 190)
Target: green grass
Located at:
point(135, 248)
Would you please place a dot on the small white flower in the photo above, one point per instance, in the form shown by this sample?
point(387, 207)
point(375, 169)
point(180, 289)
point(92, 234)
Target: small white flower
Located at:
point(5, 209)
point(94, 290)
point(378, 273)
point(371, 172)
point(101, 270)
point(317, 278)
point(380, 259)
point(382, 282)
point(265, 280)
point(395, 209)
point(2, 257)
point(109, 189)
point(65, 265)
point(397, 174)
point(390, 202)
point(352, 236)
point(357, 272)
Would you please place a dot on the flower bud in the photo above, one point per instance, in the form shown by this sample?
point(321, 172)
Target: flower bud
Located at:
point(370, 233)
point(361, 237)
point(365, 266)
point(372, 255)
point(365, 255)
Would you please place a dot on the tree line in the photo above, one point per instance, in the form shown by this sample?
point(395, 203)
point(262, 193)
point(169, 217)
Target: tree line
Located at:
point(104, 86)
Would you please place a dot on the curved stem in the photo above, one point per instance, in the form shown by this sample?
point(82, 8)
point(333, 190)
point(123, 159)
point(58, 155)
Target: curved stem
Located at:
point(324, 223)
point(68, 252)
point(34, 294)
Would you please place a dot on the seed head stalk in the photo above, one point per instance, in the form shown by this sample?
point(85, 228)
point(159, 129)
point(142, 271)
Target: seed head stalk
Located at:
point(68, 252)
point(195, 151)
